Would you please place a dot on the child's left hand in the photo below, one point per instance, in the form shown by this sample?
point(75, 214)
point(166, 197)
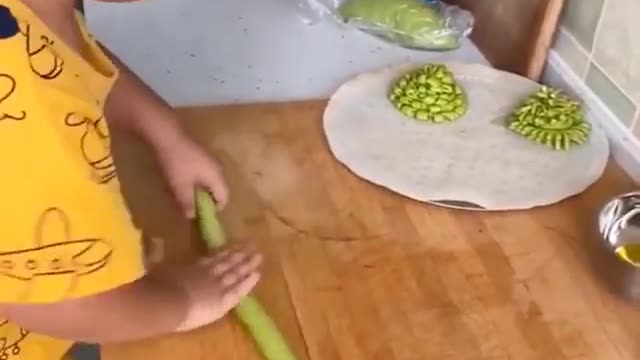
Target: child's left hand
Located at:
point(187, 166)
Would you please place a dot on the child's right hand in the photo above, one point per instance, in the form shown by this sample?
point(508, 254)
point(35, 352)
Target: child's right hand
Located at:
point(216, 284)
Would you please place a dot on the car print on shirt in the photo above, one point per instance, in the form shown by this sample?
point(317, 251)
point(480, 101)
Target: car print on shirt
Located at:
point(43, 59)
point(11, 337)
point(7, 88)
point(55, 253)
point(94, 143)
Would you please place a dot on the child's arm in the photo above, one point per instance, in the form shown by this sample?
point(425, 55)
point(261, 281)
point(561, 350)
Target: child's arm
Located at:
point(135, 107)
point(142, 309)
point(151, 306)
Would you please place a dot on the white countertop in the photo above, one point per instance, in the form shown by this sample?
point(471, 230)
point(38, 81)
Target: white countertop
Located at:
point(196, 52)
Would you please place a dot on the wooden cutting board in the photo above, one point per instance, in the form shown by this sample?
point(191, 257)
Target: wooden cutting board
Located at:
point(515, 35)
point(355, 272)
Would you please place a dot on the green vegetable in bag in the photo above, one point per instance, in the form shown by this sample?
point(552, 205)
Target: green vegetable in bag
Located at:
point(411, 23)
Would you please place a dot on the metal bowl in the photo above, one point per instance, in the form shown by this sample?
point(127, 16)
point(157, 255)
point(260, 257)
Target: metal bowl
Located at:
point(619, 221)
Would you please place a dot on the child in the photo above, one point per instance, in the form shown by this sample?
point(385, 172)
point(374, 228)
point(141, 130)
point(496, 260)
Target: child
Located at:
point(71, 267)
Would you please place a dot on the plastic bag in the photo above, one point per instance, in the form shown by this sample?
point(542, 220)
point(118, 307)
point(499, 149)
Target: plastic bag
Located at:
point(418, 24)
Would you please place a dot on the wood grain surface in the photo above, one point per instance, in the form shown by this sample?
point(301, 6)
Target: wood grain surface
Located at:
point(515, 35)
point(356, 272)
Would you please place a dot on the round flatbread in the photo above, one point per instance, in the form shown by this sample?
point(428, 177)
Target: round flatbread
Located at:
point(474, 162)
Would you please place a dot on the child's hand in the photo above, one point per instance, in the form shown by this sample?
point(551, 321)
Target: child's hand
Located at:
point(188, 166)
point(216, 284)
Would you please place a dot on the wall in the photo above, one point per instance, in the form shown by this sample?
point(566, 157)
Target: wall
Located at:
point(597, 39)
point(228, 51)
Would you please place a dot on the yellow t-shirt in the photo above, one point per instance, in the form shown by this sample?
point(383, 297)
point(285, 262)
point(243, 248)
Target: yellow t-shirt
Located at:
point(65, 231)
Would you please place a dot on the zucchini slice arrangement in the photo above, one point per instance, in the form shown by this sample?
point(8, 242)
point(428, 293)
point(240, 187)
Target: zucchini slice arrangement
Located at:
point(429, 94)
point(549, 117)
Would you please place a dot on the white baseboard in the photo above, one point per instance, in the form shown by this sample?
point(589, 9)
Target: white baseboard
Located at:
point(625, 148)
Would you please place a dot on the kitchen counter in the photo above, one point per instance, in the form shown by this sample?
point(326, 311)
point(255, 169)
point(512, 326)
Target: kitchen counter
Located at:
point(356, 272)
point(242, 51)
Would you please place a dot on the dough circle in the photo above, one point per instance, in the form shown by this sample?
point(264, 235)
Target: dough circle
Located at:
point(474, 162)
